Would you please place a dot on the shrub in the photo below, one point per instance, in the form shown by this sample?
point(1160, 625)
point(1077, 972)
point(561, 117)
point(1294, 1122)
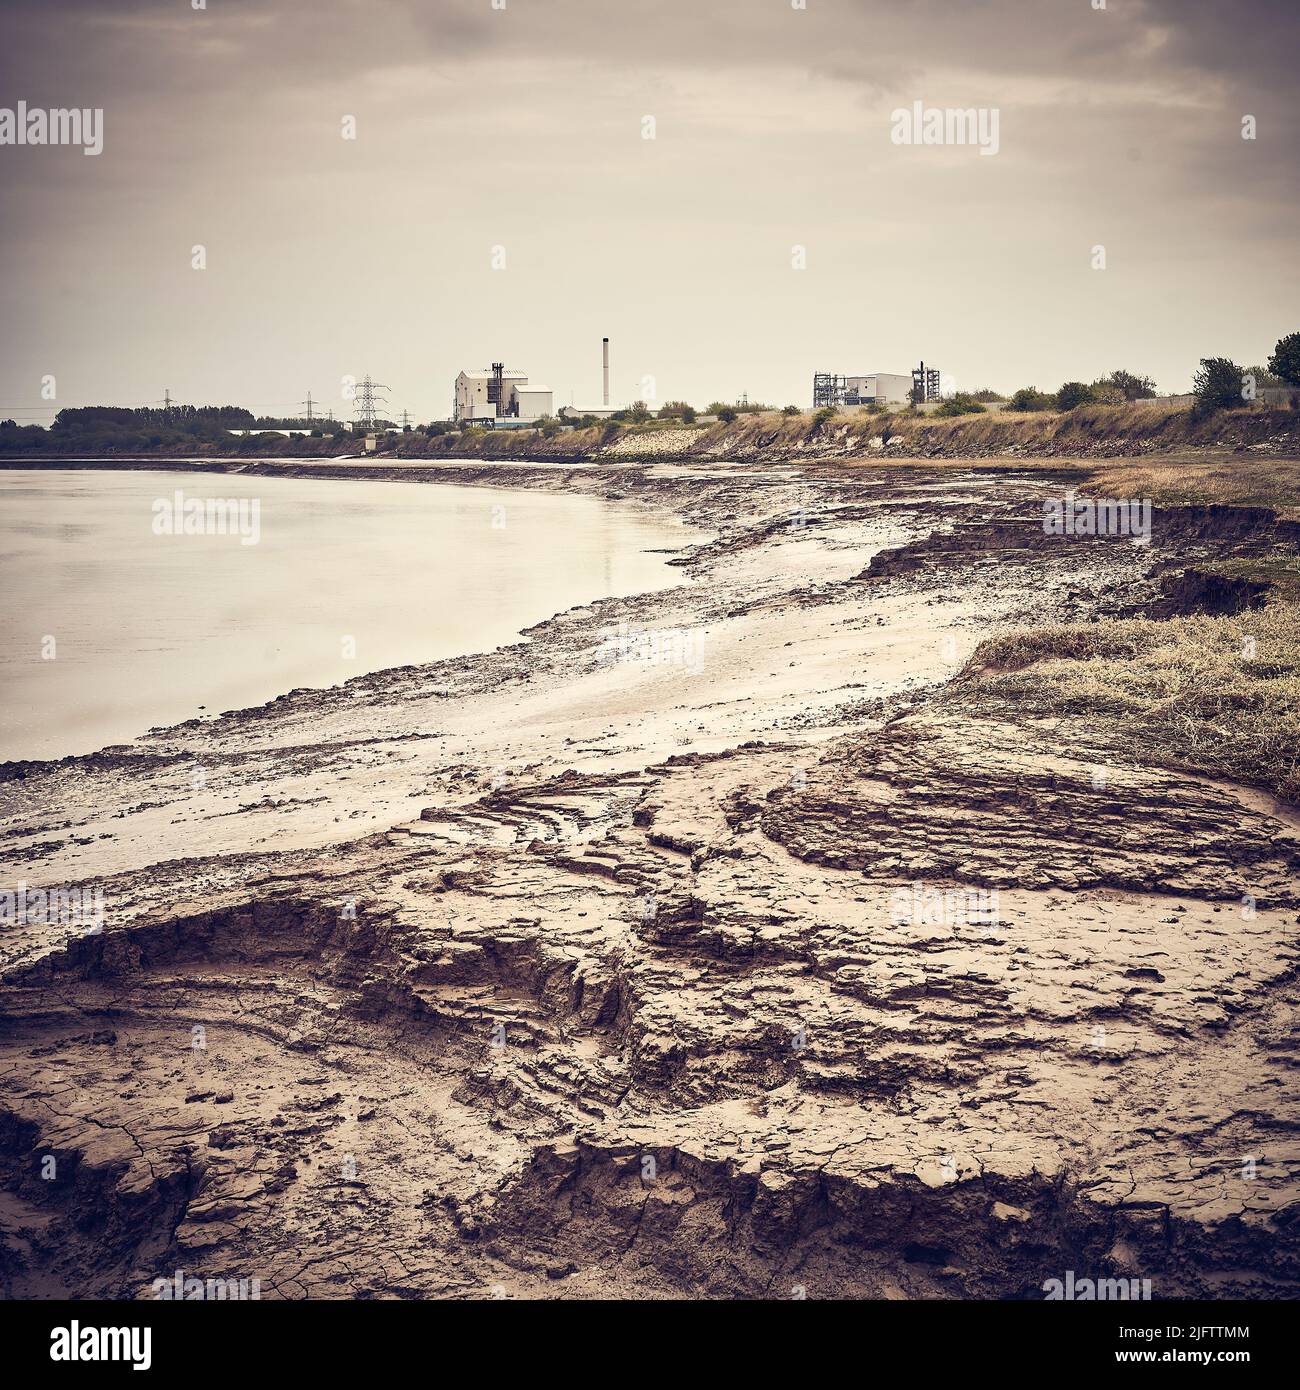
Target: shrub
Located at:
point(962, 403)
point(1130, 386)
point(1030, 398)
point(1217, 385)
point(790, 410)
point(1073, 393)
point(724, 413)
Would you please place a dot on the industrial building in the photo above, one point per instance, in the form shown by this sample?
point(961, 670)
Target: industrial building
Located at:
point(500, 397)
point(875, 388)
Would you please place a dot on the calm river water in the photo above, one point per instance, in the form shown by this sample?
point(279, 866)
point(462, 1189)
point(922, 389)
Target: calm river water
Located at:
point(122, 608)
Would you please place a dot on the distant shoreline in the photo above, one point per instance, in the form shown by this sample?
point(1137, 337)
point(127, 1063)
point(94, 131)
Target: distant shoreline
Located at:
point(1092, 431)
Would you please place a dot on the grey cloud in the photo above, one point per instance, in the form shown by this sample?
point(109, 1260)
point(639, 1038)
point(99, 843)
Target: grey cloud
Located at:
point(521, 126)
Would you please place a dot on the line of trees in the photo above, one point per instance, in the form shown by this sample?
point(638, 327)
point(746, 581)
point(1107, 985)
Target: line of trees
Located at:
point(1113, 389)
point(129, 429)
point(639, 412)
point(1219, 384)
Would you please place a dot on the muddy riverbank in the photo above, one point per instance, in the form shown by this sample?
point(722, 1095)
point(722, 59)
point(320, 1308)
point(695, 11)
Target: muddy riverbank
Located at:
point(717, 942)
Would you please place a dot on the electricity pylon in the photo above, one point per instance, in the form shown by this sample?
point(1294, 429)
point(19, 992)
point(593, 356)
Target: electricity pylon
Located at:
point(370, 395)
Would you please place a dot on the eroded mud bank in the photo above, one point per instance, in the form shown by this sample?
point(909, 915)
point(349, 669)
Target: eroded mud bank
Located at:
point(638, 958)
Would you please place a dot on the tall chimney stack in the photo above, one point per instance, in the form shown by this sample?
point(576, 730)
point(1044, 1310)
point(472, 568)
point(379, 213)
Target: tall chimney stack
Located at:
point(604, 344)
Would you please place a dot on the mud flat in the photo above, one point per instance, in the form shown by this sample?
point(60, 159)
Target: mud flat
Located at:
point(706, 943)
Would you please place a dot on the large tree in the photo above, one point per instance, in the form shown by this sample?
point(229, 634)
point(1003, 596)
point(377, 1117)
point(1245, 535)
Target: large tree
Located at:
point(1285, 361)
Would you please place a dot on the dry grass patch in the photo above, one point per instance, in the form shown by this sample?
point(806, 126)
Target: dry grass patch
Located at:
point(1237, 480)
point(1213, 695)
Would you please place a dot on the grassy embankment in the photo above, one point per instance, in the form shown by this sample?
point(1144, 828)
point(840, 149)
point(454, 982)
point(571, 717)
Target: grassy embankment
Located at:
point(855, 436)
point(1107, 430)
point(860, 437)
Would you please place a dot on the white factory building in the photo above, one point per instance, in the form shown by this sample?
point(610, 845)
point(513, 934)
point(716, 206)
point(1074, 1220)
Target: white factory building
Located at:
point(887, 388)
point(500, 396)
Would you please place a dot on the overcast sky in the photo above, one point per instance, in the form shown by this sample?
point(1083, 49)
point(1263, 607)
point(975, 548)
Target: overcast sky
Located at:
point(522, 128)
